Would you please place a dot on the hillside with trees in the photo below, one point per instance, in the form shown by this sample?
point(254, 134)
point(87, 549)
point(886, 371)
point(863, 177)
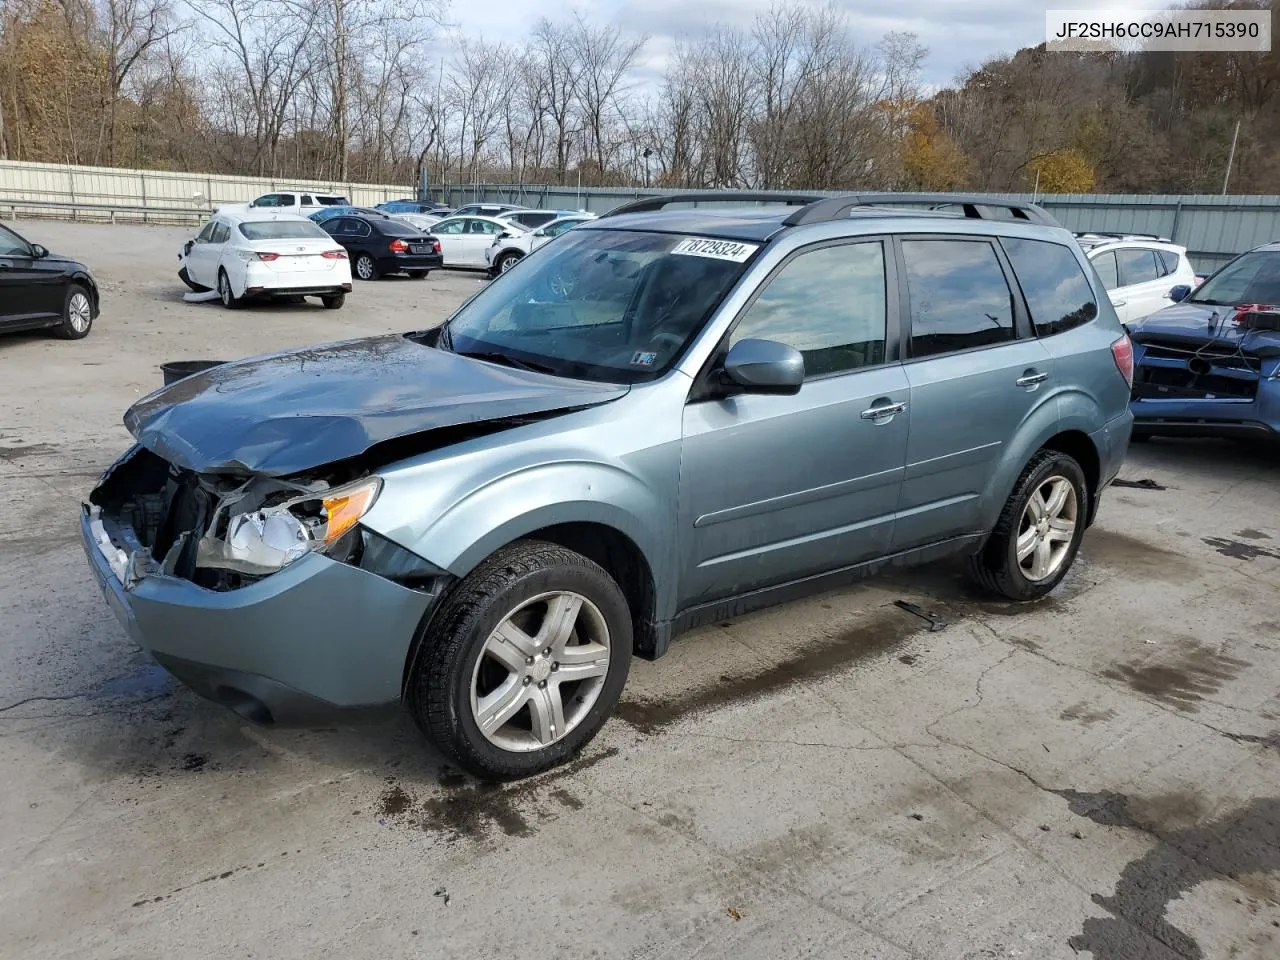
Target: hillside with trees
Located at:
point(356, 90)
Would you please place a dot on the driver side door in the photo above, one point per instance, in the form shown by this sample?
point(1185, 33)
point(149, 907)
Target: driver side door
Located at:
point(20, 298)
point(779, 488)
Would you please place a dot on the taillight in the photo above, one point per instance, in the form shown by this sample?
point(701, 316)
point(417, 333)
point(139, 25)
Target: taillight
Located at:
point(436, 246)
point(268, 256)
point(334, 254)
point(1122, 350)
point(399, 246)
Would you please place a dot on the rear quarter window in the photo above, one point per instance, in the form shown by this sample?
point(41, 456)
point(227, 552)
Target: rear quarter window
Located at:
point(1057, 291)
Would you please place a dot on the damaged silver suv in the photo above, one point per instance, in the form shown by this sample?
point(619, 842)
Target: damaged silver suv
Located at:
point(662, 418)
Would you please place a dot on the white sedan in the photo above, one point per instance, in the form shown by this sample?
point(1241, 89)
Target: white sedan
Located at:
point(510, 247)
point(464, 240)
point(251, 254)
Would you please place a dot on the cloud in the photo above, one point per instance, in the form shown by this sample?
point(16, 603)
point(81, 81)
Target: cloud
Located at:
point(957, 34)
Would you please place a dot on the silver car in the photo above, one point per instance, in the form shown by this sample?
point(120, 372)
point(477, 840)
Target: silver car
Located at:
point(666, 417)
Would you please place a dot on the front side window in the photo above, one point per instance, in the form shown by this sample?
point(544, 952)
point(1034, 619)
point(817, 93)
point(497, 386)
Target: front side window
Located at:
point(1251, 278)
point(12, 245)
point(450, 227)
point(829, 304)
point(959, 298)
point(1057, 291)
point(610, 305)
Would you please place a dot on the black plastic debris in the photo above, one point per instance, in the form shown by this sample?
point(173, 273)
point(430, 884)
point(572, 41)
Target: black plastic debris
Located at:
point(1146, 483)
point(176, 370)
point(935, 622)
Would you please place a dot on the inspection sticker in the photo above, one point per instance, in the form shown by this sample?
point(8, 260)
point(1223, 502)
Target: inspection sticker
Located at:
point(715, 249)
point(642, 358)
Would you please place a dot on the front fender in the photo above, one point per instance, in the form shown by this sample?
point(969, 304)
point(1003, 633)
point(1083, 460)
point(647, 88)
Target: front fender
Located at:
point(489, 516)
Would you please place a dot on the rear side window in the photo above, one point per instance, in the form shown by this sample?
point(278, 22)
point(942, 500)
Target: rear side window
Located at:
point(1168, 260)
point(220, 232)
point(959, 296)
point(1136, 266)
point(306, 200)
point(1057, 291)
point(829, 304)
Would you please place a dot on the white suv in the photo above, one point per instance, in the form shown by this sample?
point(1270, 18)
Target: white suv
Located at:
point(1138, 270)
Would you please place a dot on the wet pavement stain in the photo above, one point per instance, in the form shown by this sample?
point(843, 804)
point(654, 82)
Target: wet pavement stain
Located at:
point(1192, 673)
point(1137, 557)
point(1246, 841)
point(1251, 534)
point(468, 809)
point(19, 451)
point(1270, 740)
point(1086, 715)
point(821, 658)
point(1238, 550)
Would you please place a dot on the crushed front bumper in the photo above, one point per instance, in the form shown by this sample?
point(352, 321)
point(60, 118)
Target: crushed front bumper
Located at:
point(317, 635)
point(1205, 395)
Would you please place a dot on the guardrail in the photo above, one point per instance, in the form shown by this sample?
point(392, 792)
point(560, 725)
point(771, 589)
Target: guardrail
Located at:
point(107, 212)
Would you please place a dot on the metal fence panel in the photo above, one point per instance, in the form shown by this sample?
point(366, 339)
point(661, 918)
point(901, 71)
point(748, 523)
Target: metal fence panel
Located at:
point(1213, 229)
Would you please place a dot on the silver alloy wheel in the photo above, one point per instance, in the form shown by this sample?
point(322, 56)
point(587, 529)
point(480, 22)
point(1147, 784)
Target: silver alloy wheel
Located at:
point(224, 288)
point(540, 671)
point(364, 267)
point(561, 285)
point(508, 261)
point(1047, 528)
point(79, 313)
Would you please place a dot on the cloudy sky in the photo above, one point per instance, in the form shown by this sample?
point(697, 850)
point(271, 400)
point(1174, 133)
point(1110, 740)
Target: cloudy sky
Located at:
point(958, 33)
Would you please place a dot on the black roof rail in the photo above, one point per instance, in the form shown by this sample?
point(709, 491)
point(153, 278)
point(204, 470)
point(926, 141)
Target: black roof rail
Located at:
point(649, 204)
point(838, 208)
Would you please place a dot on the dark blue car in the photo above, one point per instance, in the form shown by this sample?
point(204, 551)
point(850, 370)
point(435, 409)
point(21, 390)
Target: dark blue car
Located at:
point(1210, 364)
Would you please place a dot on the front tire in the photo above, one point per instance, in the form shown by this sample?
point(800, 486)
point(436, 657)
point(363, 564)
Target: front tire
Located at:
point(1036, 539)
point(507, 261)
point(366, 269)
point(77, 314)
point(226, 294)
point(524, 662)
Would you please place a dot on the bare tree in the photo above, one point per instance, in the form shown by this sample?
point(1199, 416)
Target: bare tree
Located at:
point(605, 57)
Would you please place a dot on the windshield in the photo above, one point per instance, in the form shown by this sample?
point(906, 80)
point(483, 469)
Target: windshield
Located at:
point(282, 230)
point(1252, 278)
point(608, 305)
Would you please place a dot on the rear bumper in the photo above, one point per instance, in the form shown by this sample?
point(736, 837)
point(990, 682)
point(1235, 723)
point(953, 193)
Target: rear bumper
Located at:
point(316, 636)
point(410, 261)
point(307, 291)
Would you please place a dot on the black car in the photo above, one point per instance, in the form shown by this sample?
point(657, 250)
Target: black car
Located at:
point(377, 246)
point(41, 289)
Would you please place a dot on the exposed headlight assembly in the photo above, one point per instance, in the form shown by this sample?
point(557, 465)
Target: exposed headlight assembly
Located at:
point(263, 541)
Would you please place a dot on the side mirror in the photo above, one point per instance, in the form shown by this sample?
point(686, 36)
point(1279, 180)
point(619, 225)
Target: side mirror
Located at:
point(1180, 293)
point(38, 251)
point(764, 366)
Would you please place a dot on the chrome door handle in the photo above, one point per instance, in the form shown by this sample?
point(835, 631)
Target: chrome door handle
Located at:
point(1118, 303)
point(1031, 379)
point(887, 410)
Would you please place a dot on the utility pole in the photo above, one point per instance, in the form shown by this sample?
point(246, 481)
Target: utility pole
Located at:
point(1230, 159)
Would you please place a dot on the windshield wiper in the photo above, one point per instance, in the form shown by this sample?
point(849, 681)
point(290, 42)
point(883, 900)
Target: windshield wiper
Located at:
point(507, 361)
point(1210, 303)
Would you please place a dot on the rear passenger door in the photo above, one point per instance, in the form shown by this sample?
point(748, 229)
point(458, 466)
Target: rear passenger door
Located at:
point(976, 374)
point(1144, 287)
point(774, 488)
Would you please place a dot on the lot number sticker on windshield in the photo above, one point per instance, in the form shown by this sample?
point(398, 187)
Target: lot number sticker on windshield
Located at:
point(715, 249)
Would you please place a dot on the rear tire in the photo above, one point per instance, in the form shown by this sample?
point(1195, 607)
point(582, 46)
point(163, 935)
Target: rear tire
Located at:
point(540, 711)
point(186, 278)
point(334, 302)
point(366, 269)
point(226, 294)
point(1032, 547)
point(77, 314)
point(1137, 437)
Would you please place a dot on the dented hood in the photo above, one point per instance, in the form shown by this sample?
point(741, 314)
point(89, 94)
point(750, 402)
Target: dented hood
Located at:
point(289, 412)
point(1198, 323)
